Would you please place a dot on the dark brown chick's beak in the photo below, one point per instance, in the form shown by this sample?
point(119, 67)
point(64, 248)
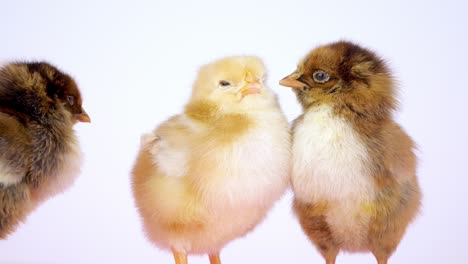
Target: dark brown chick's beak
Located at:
point(83, 117)
point(291, 81)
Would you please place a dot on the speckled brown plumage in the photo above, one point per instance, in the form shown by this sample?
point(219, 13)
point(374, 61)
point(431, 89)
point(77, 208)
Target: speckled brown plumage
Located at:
point(38, 107)
point(15, 205)
point(360, 93)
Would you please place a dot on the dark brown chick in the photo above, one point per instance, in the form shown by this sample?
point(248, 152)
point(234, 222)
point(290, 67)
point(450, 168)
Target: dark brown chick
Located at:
point(39, 152)
point(354, 170)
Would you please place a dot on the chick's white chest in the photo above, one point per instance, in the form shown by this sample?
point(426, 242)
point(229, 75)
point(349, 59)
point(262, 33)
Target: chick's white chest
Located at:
point(242, 180)
point(253, 168)
point(330, 164)
point(329, 158)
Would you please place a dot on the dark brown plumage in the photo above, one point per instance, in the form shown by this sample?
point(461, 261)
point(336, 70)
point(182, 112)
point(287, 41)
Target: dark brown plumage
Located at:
point(354, 170)
point(39, 152)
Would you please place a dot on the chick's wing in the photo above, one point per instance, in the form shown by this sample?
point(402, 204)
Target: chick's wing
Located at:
point(170, 145)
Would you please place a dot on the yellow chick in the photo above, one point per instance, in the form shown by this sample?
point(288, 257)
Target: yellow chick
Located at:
point(210, 174)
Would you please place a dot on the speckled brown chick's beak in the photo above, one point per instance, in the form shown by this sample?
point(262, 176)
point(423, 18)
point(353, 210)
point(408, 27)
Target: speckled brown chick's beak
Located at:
point(291, 81)
point(83, 117)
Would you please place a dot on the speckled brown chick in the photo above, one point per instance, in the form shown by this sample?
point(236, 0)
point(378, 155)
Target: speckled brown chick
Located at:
point(39, 152)
point(354, 169)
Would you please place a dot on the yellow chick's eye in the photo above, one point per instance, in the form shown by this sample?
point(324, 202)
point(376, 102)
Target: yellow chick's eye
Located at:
point(224, 83)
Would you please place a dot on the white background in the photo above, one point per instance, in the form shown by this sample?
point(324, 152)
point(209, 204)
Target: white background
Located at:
point(135, 62)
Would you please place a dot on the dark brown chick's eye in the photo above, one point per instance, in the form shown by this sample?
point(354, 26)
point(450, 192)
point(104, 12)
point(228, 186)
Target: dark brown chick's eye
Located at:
point(224, 83)
point(71, 99)
point(321, 76)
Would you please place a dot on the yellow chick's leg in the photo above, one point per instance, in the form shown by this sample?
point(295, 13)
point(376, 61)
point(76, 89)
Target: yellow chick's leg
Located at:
point(214, 259)
point(180, 258)
point(331, 258)
point(382, 261)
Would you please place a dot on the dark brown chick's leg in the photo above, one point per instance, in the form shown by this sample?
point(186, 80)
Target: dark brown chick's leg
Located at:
point(214, 259)
point(395, 209)
point(312, 220)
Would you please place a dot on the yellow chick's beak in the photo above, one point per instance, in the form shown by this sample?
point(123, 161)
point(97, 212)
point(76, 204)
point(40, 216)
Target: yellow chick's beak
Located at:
point(251, 88)
point(253, 85)
point(291, 81)
point(83, 117)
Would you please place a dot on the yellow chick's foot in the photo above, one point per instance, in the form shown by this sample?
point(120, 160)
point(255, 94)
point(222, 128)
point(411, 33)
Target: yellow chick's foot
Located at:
point(381, 258)
point(180, 258)
point(330, 256)
point(214, 259)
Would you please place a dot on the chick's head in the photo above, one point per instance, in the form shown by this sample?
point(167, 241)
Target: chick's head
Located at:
point(231, 80)
point(61, 88)
point(342, 72)
point(38, 89)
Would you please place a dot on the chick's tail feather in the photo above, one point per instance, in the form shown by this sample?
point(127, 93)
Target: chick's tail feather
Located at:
point(15, 203)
